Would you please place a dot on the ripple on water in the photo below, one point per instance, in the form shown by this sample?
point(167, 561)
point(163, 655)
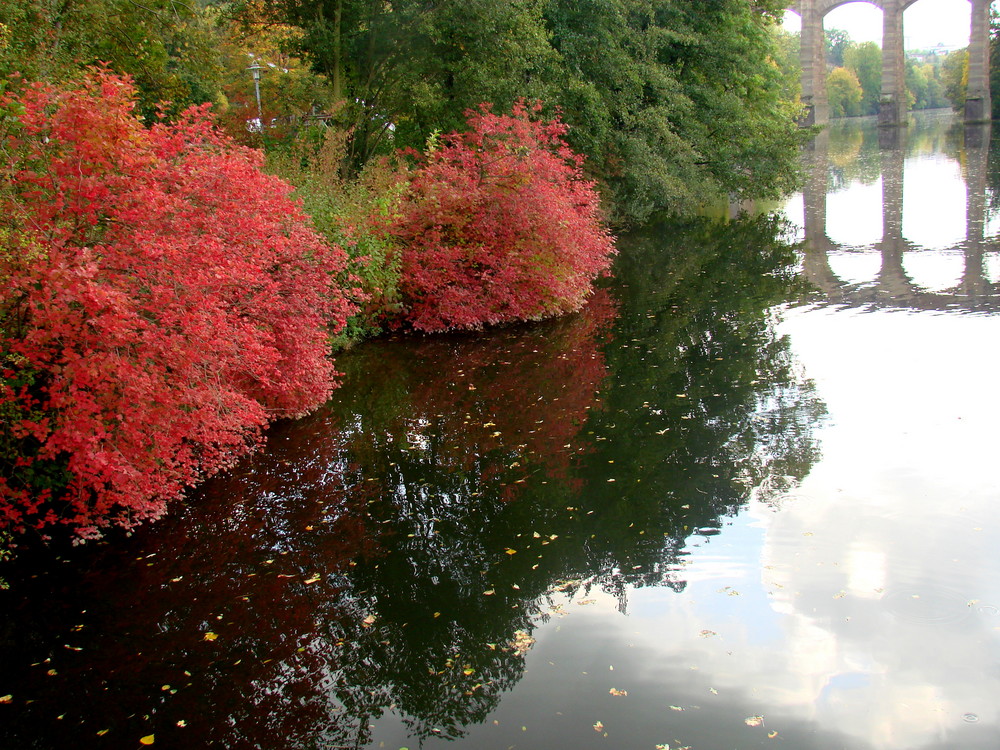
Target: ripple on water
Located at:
point(928, 604)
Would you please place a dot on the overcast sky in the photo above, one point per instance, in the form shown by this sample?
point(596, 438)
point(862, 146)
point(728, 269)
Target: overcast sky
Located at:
point(925, 23)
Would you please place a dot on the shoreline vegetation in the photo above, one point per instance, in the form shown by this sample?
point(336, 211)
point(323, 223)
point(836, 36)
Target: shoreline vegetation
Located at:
point(178, 276)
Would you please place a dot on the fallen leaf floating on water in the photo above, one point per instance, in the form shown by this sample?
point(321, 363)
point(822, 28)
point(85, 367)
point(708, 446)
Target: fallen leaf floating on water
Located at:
point(103, 732)
point(368, 621)
point(598, 727)
point(522, 642)
point(6, 698)
point(753, 721)
point(149, 739)
point(210, 636)
point(772, 735)
point(616, 691)
point(312, 580)
point(510, 551)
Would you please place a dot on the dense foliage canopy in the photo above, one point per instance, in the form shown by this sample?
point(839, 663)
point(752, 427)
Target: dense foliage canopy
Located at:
point(673, 101)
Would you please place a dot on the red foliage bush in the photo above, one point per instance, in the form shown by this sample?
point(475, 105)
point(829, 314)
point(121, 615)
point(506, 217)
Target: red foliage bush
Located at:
point(162, 300)
point(500, 226)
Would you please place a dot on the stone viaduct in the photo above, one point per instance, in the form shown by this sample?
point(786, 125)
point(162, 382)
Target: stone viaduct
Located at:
point(892, 104)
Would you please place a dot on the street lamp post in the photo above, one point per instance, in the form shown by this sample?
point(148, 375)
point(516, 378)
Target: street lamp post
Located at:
point(255, 70)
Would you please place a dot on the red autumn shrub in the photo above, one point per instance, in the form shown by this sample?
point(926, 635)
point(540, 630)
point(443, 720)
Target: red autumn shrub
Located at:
point(162, 300)
point(500, 226)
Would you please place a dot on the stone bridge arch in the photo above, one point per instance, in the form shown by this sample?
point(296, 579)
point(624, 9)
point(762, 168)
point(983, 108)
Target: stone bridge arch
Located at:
point(892, 102)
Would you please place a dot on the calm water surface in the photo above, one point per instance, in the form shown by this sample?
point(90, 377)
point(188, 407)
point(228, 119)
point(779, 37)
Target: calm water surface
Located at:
point(745, 499)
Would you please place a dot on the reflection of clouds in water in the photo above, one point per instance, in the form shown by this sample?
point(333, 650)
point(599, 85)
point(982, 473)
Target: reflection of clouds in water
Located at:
point(795, 211)
point(891, 536)
point(856, 267)
point(935, 271)
point(993, 268)
point(854, 215)
point(934, 202)
point(874, 612)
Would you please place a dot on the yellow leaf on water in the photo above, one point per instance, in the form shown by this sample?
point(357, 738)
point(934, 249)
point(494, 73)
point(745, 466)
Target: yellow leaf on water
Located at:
point(772, 735)
point(368, 621)
point(312, 580)
point(753, 721)
point(103, 732)
point(6, 698)
point(510, 551)
point(149, 739)
point(616, 691)
point(210, 636)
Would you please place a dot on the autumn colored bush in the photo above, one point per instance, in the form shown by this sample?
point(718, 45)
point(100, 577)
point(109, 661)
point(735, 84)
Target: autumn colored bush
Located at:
point(499, 225)
point(162, 301)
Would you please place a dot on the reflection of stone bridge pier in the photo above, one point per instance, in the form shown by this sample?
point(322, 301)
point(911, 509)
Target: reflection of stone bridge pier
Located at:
point(892, 102)
point(892, 286)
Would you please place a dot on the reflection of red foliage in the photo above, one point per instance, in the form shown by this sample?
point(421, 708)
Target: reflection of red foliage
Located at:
point(164, 302)
point(500, 226)
point(515, 396)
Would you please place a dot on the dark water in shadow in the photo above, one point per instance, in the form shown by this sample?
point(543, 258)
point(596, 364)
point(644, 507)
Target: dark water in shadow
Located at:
point(695, 514)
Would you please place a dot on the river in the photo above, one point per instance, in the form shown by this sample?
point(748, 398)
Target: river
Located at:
point(744, 499)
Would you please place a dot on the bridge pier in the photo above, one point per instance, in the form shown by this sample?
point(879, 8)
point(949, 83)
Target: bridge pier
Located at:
point(812, 57)
point(893, 102)
point(978, 106)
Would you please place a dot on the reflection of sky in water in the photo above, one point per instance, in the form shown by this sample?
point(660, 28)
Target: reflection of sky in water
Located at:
point(868, 596)
point(935, 271)
point(860, 606)
point(854, 215)
point(856, 267)
point(933, 202)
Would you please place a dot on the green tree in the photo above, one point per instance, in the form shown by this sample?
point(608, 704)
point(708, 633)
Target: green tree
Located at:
point(672, 101)
point(865, 61)
point(955, 77)
point(168, 48)
point(916, 84)
point(837, 42)
point(675, 101)
point(402, 70)
point(844, 92)
point(788, 62)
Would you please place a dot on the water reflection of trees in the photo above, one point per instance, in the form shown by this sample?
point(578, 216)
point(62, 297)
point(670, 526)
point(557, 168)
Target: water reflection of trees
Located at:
point(707, 403)
point(392, 553)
